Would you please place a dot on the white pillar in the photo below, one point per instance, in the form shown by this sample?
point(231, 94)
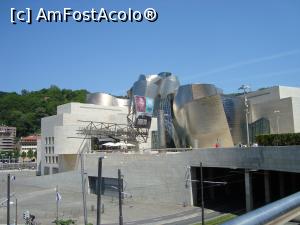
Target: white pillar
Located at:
point(248, 191)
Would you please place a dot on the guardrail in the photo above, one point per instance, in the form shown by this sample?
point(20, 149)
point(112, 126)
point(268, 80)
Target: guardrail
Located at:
point(17, 166)
point(268, 213)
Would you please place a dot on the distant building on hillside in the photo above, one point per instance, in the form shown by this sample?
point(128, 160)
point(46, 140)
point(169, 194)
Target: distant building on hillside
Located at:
point(29, 143)
point(7, 138)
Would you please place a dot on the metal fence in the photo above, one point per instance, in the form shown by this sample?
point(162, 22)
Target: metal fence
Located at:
point(18, 166)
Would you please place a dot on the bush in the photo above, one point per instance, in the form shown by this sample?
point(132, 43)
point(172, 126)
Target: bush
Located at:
point(278, 139)
point(64, 222)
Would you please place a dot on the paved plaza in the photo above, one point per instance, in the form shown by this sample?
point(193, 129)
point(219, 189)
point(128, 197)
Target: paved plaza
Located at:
point(38, 196)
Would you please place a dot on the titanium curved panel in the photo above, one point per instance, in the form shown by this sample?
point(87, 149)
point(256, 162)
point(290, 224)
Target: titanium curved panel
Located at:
point(104, 99)
point(154, 85)
point(190, 92)
point(146, 86)
point(235, 113)
point(169, 85)
point(200, 115)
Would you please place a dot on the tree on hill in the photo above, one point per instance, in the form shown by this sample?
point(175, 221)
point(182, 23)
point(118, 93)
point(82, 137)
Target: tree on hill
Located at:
point(25, 110)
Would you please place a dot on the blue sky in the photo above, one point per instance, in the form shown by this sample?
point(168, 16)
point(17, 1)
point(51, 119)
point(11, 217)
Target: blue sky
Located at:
point(224, 42)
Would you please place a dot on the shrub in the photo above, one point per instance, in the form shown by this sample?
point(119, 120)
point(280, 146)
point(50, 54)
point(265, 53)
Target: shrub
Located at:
point(278, 139)
point(64, 222)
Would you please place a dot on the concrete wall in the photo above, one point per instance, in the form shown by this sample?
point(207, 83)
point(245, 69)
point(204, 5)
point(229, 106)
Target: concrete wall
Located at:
point(263, 103)
point(264, 95)
point(286, 92)
point(149, 178)
point(165, 177)
point(296, 114)
point(266, 110)
point(273, 93)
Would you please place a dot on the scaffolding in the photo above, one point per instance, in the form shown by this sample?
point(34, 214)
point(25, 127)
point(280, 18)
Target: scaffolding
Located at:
point(119, 132)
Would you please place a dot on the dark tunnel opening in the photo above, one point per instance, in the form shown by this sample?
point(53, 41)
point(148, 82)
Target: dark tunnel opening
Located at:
point(224, 188)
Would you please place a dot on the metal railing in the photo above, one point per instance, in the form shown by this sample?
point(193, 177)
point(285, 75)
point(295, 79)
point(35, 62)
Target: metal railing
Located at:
point(17, 166)
point(268, 212)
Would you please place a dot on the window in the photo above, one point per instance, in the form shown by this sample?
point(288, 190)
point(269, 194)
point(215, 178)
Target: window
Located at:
point(52, 140)
point(46, 158)
point(53, 159)
point(46, 140)
point(46, 150)
point(56, 159)
point(46, 170)
point(52, 150)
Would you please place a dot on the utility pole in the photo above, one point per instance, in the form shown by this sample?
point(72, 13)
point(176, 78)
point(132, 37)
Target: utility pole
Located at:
point(16, 218)
point(99, 191)
point(245, 88)
point(120, 197)
point(57, 200)
point(8, 200)
point(83, 188)
point(202, 196)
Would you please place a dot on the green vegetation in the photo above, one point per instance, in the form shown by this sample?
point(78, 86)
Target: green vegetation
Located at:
point(25, 110)
point(9, 154)
point(64, 222)
point(23, 155)
point(278, 139)
point(218, 220)
point(30, 154)
point(16, 154)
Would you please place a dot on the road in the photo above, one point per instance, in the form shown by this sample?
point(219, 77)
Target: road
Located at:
point(182, 218)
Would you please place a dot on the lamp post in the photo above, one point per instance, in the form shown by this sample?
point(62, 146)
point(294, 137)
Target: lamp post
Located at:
point(277, 112)
point(8, 200)
point(120, 187)
point(99, 191)
point(245, 88)
point(202, 195)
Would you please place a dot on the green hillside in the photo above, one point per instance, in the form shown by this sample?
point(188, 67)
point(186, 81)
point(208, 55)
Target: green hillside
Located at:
point(25, 110)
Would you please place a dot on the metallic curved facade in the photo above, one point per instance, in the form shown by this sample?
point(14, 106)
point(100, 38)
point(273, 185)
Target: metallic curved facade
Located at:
point(104, 99)
point(199, 113)
point(194, 115)
point(155, 85)
point(234, 108)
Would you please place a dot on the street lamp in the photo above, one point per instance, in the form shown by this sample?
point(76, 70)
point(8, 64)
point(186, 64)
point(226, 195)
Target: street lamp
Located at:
point(277, 113)
point(245, 88)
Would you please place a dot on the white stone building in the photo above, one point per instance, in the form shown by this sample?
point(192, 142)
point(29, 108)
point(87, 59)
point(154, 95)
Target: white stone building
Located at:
point(280, 105)
point(60, 141)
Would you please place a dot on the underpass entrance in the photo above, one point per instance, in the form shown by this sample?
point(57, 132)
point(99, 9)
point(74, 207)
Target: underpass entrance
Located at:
point(223, 189)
